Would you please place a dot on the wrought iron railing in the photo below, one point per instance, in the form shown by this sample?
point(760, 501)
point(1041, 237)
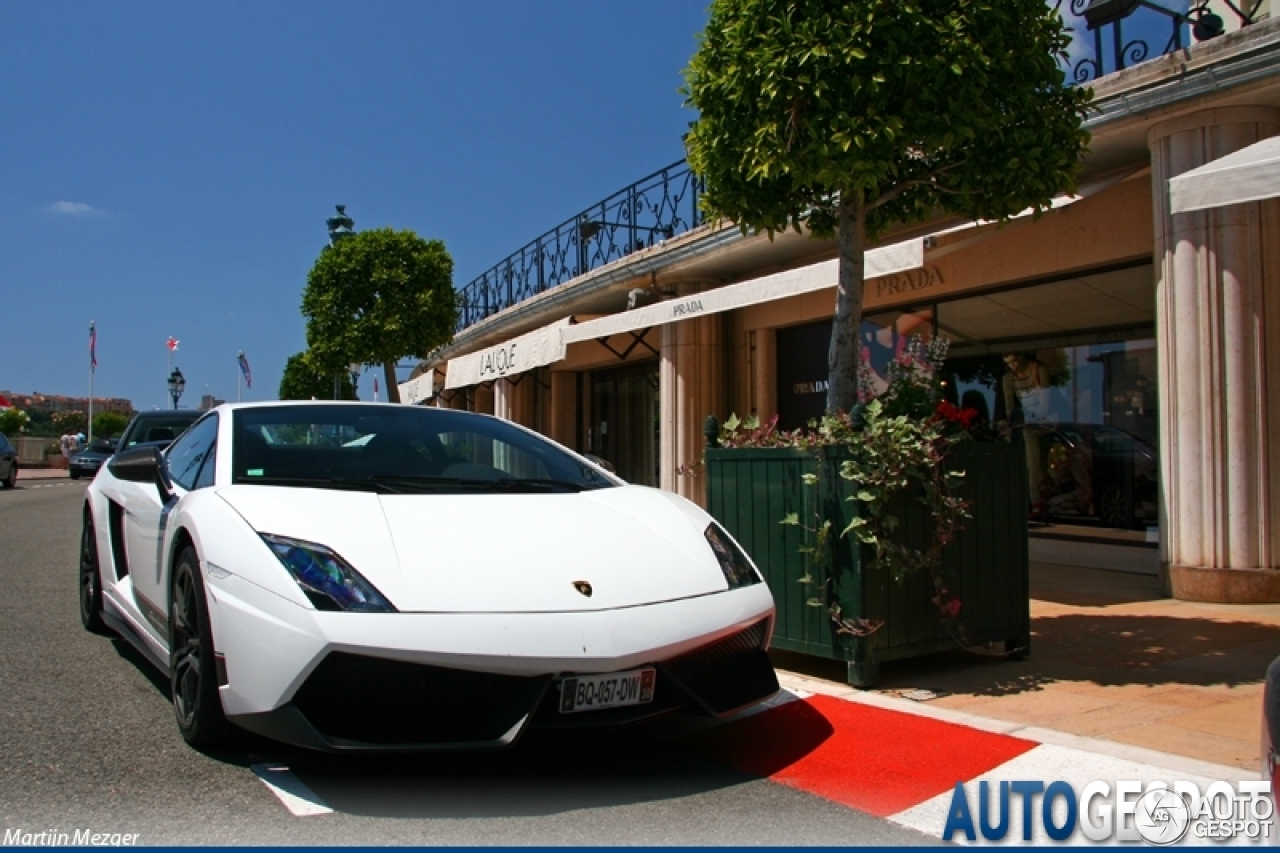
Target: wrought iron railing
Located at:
point(652, 209)
point(1111, 35)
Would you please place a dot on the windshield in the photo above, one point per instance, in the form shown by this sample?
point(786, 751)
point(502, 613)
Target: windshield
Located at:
point(148, 428)
point(399, 450)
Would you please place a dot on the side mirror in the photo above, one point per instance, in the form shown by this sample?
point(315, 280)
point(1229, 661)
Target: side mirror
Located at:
point(137, 464)
point(143, 464)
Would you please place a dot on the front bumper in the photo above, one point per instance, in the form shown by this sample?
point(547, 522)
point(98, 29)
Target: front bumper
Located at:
point(412, 681)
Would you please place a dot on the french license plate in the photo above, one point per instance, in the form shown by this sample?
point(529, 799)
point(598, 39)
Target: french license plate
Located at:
point(611, 690)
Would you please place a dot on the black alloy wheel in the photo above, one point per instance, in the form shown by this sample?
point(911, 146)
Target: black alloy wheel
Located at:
point(12, 480)
point(1114, 510)
point(90, 580)
point(192, 672)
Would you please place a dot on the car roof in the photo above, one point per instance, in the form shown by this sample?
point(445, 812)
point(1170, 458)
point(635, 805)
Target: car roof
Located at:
point(169, 414)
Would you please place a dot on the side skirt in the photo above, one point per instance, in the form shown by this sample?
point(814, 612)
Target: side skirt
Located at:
point(137, 637)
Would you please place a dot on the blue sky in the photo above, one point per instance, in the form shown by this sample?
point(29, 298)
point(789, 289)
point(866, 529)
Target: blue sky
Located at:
point(166, 168)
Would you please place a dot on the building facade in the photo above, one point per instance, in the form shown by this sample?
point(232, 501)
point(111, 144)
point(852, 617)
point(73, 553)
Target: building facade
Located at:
point(1140, 347)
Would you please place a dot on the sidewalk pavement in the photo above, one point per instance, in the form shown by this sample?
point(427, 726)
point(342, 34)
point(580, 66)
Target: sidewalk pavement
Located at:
point(42, 473)
point(1115, 667)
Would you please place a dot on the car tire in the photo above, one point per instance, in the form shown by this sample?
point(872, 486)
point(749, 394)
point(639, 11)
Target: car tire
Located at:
point(90, 580)
point(192, 671)
point(12, 480)
point(75, 475)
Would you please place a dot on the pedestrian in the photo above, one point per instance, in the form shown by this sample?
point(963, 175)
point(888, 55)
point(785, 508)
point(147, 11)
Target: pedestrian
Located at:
point(65, 446)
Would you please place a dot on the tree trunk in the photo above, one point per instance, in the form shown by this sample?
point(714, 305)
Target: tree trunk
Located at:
point(845, 351)
point(389, 377)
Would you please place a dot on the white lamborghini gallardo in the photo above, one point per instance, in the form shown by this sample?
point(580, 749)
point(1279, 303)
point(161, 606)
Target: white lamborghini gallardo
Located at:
point(351, 576)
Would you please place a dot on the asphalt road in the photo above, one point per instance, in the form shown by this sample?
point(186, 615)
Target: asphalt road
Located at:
point(88, 742)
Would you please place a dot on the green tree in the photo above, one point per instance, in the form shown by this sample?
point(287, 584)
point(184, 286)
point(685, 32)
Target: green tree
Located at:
point(303, 380)
point(846, 118)
point(109, 424)
point(41, 422)
point(13, 421)
point(376, 297)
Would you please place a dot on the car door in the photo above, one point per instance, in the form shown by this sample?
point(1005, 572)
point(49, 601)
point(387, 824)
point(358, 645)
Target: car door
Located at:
point(147, 515)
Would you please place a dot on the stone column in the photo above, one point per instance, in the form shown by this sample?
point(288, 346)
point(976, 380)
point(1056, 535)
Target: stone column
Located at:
point(691, 385)
point(504, 399)
point(1218, 333)
point(564, 409)
point(764, 374)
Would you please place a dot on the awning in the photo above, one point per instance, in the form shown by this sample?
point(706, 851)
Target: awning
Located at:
point(898, 257)
point(419, 389)
point(533, 349)
point(1250, 174)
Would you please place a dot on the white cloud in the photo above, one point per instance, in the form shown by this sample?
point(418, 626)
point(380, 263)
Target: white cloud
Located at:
point(74, 208)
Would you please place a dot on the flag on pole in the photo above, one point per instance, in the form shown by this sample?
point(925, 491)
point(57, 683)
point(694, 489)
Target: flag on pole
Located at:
point(172, 344)
point(93, 345)
point(244, 368)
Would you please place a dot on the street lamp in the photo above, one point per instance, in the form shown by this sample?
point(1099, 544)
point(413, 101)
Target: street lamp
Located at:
point(177, 384)
point(340, 225)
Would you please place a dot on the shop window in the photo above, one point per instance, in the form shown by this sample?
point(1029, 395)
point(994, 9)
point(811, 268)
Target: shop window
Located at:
point(803, 352)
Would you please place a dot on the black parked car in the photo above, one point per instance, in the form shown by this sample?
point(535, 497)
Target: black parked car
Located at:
point(158, 427)
point(8, 463)
point(86, 462)
point(1094, 472)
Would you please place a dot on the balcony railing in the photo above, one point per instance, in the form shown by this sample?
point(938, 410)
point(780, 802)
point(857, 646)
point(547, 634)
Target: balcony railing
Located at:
point(1111, 35)
point(665, 203)
point(655, 208)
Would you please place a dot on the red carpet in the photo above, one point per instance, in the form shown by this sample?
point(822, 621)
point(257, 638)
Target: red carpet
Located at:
point(870, 759)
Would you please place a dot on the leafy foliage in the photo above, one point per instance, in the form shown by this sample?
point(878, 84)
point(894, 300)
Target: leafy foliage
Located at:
point(303, 380)
point(376, 297)
point(109, 424)
point(847, 118)
point(70, 421)
point(13, 421)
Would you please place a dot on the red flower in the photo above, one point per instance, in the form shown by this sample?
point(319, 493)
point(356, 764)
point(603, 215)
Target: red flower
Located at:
point(956, 415)
point(952, 608)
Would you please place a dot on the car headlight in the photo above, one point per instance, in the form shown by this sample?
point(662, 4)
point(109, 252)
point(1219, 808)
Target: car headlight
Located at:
point(325, 578)
point(737, 569)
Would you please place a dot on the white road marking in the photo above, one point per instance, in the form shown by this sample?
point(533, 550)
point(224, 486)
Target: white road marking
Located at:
point(297, 797)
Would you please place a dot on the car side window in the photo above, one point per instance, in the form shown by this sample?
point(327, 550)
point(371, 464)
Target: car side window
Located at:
point(186, 455)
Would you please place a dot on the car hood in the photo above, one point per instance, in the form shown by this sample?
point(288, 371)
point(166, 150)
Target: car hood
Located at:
point(501, 553)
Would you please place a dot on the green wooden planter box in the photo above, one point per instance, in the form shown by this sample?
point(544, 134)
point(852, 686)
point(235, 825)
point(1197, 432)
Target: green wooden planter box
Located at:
point(750, 491)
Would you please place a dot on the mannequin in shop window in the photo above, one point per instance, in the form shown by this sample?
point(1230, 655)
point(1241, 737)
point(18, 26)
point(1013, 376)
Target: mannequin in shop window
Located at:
point(1026, 399)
